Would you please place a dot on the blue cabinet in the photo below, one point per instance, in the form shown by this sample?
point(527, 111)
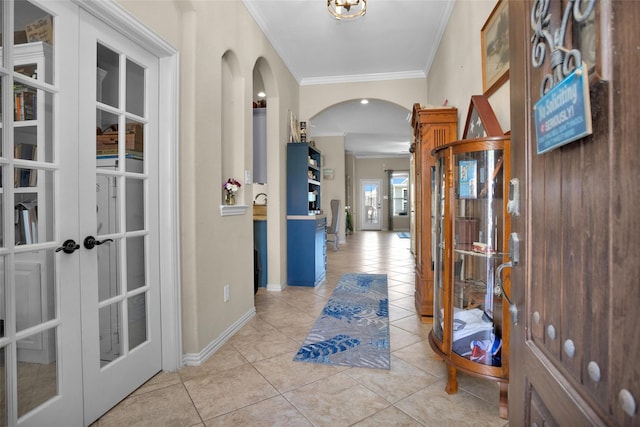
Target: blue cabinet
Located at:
point(303, 179)
point(306, 227)
point(306, 250)
point(260, 242)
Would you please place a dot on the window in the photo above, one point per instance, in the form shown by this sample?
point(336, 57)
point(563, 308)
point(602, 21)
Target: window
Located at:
point(399, 190)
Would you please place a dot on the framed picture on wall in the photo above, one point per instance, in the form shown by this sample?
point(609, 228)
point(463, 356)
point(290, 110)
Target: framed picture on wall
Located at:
point(494, 37)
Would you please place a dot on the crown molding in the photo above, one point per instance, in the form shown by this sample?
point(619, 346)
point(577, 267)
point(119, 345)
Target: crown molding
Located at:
point(355, 78)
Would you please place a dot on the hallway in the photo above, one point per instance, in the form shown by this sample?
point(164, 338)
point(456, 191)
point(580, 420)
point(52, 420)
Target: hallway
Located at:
point(252, 381)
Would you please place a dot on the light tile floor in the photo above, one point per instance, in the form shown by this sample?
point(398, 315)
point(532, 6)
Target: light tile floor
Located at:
point(252, 381)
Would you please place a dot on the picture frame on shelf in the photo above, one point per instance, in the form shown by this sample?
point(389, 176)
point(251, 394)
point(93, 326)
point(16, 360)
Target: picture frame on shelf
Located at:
point(494, 39)
point(294, 130)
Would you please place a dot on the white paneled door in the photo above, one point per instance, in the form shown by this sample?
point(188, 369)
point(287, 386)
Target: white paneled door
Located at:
point(79, 290)
point(118, 215)
point(370, 204)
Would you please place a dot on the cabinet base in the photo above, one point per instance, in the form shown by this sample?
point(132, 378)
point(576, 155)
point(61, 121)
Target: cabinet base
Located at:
point(454, 363)
point(424, 296)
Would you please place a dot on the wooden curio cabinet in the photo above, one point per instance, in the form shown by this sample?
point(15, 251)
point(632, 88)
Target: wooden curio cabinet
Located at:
point(432, 128)
point(471, 317)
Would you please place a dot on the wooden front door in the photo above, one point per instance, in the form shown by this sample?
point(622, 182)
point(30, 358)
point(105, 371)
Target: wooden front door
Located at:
point(576, 347)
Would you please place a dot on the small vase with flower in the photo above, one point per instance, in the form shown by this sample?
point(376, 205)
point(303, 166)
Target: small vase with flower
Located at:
point(230, 187)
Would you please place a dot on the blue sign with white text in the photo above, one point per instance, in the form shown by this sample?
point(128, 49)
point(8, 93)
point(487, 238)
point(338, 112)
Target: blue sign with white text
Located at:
point(563, 114)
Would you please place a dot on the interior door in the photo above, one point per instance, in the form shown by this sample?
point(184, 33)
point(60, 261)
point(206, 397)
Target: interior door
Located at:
point(370, 204)
point(574, 353)
point(118, 216)
point(40, 349)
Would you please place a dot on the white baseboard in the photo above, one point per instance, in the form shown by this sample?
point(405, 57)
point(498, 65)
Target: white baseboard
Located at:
point(277, 287)
point(196, 359)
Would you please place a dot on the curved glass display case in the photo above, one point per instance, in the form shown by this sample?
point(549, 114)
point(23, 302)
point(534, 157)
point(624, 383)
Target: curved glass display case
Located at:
point(470, 321)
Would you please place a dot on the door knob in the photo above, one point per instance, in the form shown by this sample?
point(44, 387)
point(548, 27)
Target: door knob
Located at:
point(68, 247)
point(90, 242)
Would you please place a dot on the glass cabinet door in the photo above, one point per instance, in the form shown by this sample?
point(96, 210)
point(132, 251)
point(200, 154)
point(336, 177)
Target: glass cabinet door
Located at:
point(438, 195)
point(478, 225)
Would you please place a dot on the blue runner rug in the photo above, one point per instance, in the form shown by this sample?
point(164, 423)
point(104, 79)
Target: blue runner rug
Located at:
point(403, 235)
point(353, 329)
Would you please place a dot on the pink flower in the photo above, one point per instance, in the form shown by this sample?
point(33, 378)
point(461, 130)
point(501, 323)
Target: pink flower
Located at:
point(231, 185)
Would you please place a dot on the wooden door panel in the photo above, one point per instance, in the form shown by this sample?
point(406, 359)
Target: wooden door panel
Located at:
point(579, 228)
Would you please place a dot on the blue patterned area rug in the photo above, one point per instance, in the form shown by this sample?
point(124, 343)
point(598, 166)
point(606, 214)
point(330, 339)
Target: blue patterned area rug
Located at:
point(353, 329)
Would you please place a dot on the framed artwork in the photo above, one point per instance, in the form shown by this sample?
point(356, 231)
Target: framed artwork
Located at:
point(494, 37)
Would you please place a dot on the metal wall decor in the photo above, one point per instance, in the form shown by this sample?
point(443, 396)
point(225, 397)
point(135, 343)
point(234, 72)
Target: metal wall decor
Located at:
point(563, 60)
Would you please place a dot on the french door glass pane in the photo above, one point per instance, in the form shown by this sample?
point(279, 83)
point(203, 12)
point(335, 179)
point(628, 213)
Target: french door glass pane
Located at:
point(37, 370)
point(33, 32)
point(135, 204)
point(137, 310)
point(1, 115)
point(135, 263)
point(3, 386)
point(106, 136)
point(107, 196)
point(33, 116)
point(110, 332)
point(108, 277)
point(371, 203)
point(135, 89)
point(33, 203)
point(108, 76)
point(34, 288)
point(135, 146)
point(2, 241)
point(3, 310)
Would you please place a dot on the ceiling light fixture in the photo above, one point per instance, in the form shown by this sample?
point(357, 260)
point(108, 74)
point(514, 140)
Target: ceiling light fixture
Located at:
point(347, 9)
point(364, 101)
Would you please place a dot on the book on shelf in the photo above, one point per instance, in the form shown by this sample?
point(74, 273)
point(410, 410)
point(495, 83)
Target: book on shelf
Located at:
point(25, 99)
point(24, 177)
point(26, 218)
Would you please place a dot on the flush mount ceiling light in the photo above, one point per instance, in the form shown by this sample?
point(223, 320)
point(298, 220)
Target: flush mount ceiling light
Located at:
point(347, 9)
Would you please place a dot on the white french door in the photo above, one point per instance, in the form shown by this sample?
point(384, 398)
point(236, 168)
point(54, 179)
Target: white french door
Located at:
point(40, 349)
point(79, 289)
point(118, 216)
point(370, 204)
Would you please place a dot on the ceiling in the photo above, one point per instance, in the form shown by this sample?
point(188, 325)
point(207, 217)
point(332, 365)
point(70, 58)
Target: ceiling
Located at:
point(396, 39)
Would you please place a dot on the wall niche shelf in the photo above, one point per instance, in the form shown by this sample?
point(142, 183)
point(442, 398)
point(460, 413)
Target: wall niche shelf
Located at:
point(230, 210)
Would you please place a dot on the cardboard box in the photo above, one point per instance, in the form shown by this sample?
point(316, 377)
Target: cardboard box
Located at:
point(40, 30)
point(107, 143)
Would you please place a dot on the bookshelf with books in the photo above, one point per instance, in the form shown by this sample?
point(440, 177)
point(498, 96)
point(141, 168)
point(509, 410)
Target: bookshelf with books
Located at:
point(32, 184)
point(31, 193)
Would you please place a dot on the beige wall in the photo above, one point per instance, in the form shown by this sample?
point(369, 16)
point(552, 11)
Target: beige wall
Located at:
point(332, 149)
point(375, 168)
point(456, 72)
point(203, 32)
point(216, 250)
point(406, 92)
